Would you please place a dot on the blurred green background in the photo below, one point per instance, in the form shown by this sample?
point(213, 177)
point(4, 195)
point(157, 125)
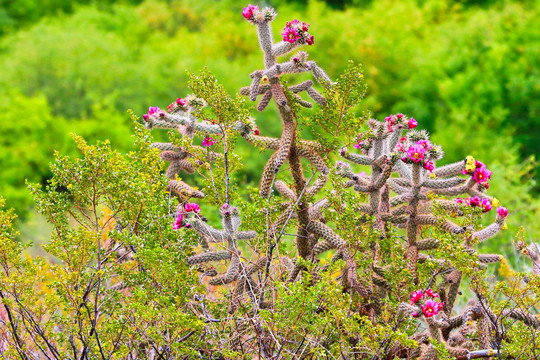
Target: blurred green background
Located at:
point(468, 71)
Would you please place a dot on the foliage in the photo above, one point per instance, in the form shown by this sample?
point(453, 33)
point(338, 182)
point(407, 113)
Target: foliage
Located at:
point(374, 257)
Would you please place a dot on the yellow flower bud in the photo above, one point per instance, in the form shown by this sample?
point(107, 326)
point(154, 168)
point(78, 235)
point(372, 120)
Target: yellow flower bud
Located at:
point(433, 176)
point(470, 160)
point(494, 202)
point(504, 227)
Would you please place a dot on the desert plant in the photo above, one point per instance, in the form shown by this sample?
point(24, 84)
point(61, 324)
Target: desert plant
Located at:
point(319, 271)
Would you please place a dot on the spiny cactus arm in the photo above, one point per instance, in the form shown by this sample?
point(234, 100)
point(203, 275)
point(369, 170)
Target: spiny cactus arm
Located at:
point(316, 96)
point(267, 176)
point(282, 218)
point(400, 182)
point(231, 274)
point(454, 279)
point(393, 140)
point(450, 169)
point(326, 233)
point(264, 33)
point(322, 246)
point(159, 124)
point(487, 233)
point(446, 225)
point(319, 74)
point(489, 258)
point(303, 86)
point(315, 210)
point(169, 155)
point(443, 183)
point(187, 166)
point(265, 100)
point(209, 256)
point(449, 205)
point(365, 208)
point(164, 146)
point(380, 282)
point(287, 138)
point(402, 210)
point(279, 96)
point(283, 48)
point(526, 318)
point(246, 90)
point(285, 190)
point(183, 190)
point(313, 158)
point(208, 232)
point(317, 185)
point(356, 158)
point(254, 89)
point(173, 169)
point(395, 219)
point(383, 177)
point(244, 235)
point(428, 353)
point(262, 141)
point(428, 244)
point(399, 189)
point(434, 328)
point(189, 121)
point(457, 190)
point(313, 145)
point(403, 170)
point(303, 102)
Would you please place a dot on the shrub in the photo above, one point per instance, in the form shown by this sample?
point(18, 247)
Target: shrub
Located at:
point(342, 263)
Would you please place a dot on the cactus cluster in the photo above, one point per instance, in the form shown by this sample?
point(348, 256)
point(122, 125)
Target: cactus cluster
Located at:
point(407, 189)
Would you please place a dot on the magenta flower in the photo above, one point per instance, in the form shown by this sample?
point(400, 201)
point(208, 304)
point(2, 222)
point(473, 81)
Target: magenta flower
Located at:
point(304, 26)
point(416, 296)
point(429, 292)
point(290, 34)
point(428, 165)
point(481, 174)
point(310, 40)
point(293, 23)
point(256, 131)
point(192, 207)
point(412, 123)
point(146, 117)
point(178, 223)
point(485, 204)
point(358, 145)
point(474, 201)
point(416, 153)
point(249, 10)
point(399, 116)
point(424, 143)
point(208, 141)
point(459, 200)
point(416, 314)
point(431, 308)
point(502, 211)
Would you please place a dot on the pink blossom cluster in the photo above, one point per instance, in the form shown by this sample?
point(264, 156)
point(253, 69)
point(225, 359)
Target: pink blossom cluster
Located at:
point(483, 203)
point(208, 141)
point(399, 121)
point(417, 153)
point(154, 112)
point(502, 212)
point(430, 306)
point(480, 173)
point(188, 207)
point(363, 143)
point(179, 105)
point(297, 31)
point(255, 16)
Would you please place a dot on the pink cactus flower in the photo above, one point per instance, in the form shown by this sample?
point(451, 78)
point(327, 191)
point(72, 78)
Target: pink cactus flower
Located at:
point(416, 296)
point(178, 222)
point(256, 131)
point(249, 10)
point(290, 35)
point(208, 141)
point(459, 200)
point(485, 204)
point(293, 23)
point(428, 165)
point(152, 111)
point(146, 117)
point(412, 123)
point(304, 26)
point(192, 207)
point(502, 211)
point(358, 145)
point(424, 143)
point(482, 174)
point(399, 116)
point(440, 305)
point(416, 153)
point(416, 314)
point(429, 292)
point(474, 201)
point(310, 40)
point(431, 308)
point(181, 102)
